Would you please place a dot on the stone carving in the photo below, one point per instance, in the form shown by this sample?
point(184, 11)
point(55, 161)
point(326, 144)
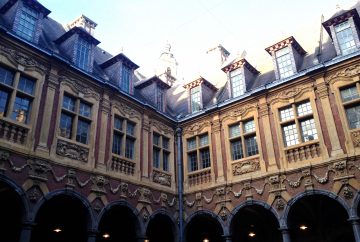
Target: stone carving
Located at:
point(224, 213)
point(215, 126)
point(161, 178)
point(126, 111)
point(288, 94)
point(347, 72)
point(38, 169)
point(263, 109)
point(245, 167)
point(198, 199)
point(124, 189)
point(162, 127)
point(322, 90)
point(241, 111)
point(71, 178)
point(98, 205)
point(34, 194)
point(99, 183)
point(276, 183)
point(4, 157)
point(347, 192)
point(280, 204)
point(79, 87)
point(196, 127)
point(145, 214)
point(144, 195)
point(22, 59)
point(72, 151)
point(355, 137)
point(163, 199)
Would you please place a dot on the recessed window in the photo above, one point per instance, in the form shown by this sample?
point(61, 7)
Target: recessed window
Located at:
point(160, 94)
point(345, 37)
point(125, 79)
point(83, 54)
point(242, 137)
point(161, 152)
point(18, 91)
point(75, 117)
point(351, 101)
point(198, 152)
point(27, 23)
point(297, 123)
point(124, 138)
point(195, 99)
point(237, 83)
point(284, 63)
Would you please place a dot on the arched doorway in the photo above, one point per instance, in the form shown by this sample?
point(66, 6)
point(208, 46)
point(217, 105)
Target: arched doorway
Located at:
point(11, 213)
point(319, 218)
point(161, 229)
point(61, 218)
point(254, 223)
point(118, 223)
point(203, 227)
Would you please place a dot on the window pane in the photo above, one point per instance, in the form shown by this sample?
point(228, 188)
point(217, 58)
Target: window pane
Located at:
point(286, 114)
point(165, 143)
point(236, 150)
point(349, 94)
point(4, 101)
point(156, 158)
point(83, 54)
point(118, 123)
point(290, 135)
point(125, 79)
point(195, 99)
point(284, 63)
point(237, 83)
point(82, 133)
point(205, 158)
point(249, 126)
point(84, 109)
point(156, 139)
point(353, 116)
point(204, 140)
point(26, 85)
point(303, 109)
point(21, 109)
point(191, 143)
point(117, 143)
point(345, 37)
point(6, 76)
point(69, 103)
point(159, 98)
point(65, 125)
point(27, 23)
point(129, 148)
point(165, 161)
point(192, 158)
point(130, 128)
point(308, 130)
point(251, 146)
point(234, 130)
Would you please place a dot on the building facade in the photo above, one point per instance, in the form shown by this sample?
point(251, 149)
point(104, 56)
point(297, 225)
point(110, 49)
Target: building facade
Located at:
point(91, 150)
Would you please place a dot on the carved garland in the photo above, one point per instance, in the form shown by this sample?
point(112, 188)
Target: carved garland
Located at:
point(196, 127)
point(162, 127)
point(241, 111)
point(347, 72)
point(243, 167)
point(72, 151)
point(286, 95)
point(125, 110)
point(78, 87)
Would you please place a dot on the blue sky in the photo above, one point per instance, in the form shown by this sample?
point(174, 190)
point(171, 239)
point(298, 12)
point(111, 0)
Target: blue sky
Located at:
point(140, 28)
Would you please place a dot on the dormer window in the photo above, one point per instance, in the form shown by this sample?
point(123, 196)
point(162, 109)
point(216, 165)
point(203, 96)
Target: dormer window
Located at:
point(195, 99)
point(345, 37)
point(125, 82)
point(83, 54)
point(287, 57)
point(27, 23)
point(237, 83)
point(284, 62)
point(342, 28)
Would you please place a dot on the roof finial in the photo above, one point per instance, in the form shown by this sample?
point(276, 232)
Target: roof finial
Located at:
point(337, 7)
point(167, 47)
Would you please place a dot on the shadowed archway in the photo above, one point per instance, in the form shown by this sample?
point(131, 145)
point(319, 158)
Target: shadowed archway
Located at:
point(161, 228)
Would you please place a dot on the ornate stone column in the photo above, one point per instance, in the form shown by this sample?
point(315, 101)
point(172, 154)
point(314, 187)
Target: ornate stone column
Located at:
point(26, 229)
point(356, 228)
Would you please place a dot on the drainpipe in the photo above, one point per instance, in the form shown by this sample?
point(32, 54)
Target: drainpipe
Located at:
point(180, 181)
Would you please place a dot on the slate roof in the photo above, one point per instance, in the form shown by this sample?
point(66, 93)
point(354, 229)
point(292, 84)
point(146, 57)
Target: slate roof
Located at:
point(177, 99)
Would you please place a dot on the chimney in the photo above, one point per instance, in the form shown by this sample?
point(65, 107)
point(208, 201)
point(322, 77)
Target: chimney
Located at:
point(84, 22)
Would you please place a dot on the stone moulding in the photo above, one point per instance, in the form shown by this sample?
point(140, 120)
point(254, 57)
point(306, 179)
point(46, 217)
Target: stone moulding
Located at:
point(247, 166)
point(162, 178)
point(72, 151)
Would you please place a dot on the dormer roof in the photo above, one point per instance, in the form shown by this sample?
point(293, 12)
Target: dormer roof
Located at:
point(81, 32)
point(284, 43)
point(237, 63)
point(199, 81)
point(32, 3)
point(149, 81)
point(120, 57)
point(341, 16)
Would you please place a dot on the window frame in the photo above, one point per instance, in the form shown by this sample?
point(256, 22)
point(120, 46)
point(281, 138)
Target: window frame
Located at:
point(280, 69)
point(126, 84)
point(348, 104)
point(339, 34)
point(241, 82)
point(162, 151)
point(199, 106)
point(126, 135)
point(198, 149)
point(83, 54)
point(26, 16)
